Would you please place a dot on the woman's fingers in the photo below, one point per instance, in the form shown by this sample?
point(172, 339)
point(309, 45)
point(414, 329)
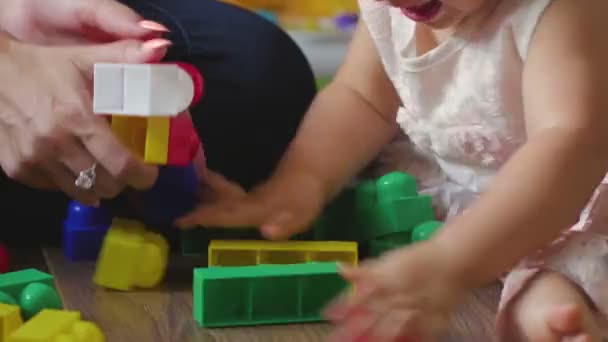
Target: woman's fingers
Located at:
point(77, 159)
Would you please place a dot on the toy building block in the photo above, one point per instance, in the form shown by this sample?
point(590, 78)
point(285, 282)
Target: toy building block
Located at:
point(31, 290)
point(375, 209)
point(10, 320)
point(157, 141)
point(83, 231)
point(131, 257)
point(174, 194)
point(399, 206)
point(379, 246)
point(57, 326)
point(264, 294)
point(425, 231)
point(246, 253)
point(194, 242)
point(184, 142)
point(147, 105)
point(4, 263)
point(162, 90)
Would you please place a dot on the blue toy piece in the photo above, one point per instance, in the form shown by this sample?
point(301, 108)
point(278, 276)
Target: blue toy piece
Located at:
point(84, 230)
point(174, 194)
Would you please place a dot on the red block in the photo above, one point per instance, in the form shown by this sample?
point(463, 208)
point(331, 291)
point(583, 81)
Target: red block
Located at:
point(3, 259)
point(183, 141)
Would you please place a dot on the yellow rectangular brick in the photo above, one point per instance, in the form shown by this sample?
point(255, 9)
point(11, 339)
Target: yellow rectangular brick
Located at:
point(57, 325)
point(10, 320)
point(157, 140)
point(254, 252)
point(132, 132)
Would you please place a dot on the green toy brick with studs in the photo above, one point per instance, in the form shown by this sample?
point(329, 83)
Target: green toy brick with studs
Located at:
point(31, 290)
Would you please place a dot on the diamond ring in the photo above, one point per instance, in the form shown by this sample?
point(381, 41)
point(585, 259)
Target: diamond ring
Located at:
point(86, 178)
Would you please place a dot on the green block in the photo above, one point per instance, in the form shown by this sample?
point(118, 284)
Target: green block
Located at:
point(387, 243)
point(323, 81)
point(374, 208)
point(401, 215)
point(194, 242)
point(338, 221)
point(31, 289)
point(263, 294)
point(425, 231)
point(396, 185)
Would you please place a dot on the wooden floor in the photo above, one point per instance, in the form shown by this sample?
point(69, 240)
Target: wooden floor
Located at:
point(165, 314)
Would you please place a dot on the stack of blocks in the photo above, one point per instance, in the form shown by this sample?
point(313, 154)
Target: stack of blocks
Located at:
point(380, 214)
point(242, 277)
point(301, 276)
point(30, 311)
point(247, 282)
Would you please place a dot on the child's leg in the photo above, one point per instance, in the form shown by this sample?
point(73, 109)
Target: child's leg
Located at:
point(552, 308)
point(558, 295)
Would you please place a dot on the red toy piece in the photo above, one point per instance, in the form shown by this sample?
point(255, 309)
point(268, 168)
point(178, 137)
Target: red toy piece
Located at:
point(197, 81)
point(3, 259)
point(183, 141)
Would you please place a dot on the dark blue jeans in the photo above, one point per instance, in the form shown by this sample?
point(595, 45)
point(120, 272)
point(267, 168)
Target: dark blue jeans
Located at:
point(258, 85)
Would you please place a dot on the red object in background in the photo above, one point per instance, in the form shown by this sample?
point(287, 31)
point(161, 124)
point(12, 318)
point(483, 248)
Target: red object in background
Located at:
point(3, 259)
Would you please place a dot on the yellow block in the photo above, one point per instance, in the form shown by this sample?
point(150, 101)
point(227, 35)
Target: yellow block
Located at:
point(131, 257)
point(10, 320)
point(57, 326)
point(247, 253)
point(132, 132)
point(157, 140)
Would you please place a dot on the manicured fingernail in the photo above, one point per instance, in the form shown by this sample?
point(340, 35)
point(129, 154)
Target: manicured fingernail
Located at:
point(153, 26)
point(156, 44)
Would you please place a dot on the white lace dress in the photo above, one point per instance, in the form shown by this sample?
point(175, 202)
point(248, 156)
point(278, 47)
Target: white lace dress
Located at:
point(463, 118)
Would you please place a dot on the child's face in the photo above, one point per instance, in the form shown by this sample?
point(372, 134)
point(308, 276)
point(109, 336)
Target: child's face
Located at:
point(439, 14)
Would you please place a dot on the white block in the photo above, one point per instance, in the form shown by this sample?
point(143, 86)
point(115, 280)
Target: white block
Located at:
point(141, 89)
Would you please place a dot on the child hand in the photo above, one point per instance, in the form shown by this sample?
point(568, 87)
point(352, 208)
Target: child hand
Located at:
point(282, 207)
point(406, 295)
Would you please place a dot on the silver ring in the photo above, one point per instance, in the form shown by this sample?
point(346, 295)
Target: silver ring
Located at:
point(86, 178)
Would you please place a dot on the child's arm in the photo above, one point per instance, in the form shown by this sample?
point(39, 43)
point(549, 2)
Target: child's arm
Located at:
point(349, 121)
point(543, 189)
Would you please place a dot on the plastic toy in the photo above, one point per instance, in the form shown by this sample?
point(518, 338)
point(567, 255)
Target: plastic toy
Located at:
point(147, 104)
point(57, 326)
point(264, 294)
point(10, 320)
point(174, 194)
point(246, 253)
point(4, 262)
point(425, 231)
point(31, 290)
point(375, 209)
point(84, 230)
point(131, 257)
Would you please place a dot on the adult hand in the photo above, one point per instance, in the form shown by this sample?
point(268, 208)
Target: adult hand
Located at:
point(48, 133)
point(280, 208)
point(74, 21)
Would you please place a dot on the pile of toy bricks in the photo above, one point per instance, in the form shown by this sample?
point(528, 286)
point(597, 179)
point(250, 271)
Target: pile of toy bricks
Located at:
point(31, 311)
point(254, 282)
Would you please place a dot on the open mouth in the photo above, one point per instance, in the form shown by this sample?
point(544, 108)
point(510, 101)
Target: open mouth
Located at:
point(425, 12)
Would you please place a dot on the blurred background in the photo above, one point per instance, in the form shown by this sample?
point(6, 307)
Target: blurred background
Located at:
point(322, 28)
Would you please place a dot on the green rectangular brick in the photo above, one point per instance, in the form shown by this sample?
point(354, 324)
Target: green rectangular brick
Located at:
point(263, 294)
point(13, 283)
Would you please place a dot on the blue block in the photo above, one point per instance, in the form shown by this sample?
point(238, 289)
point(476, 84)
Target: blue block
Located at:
point(174, 194)
point(83, 231)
